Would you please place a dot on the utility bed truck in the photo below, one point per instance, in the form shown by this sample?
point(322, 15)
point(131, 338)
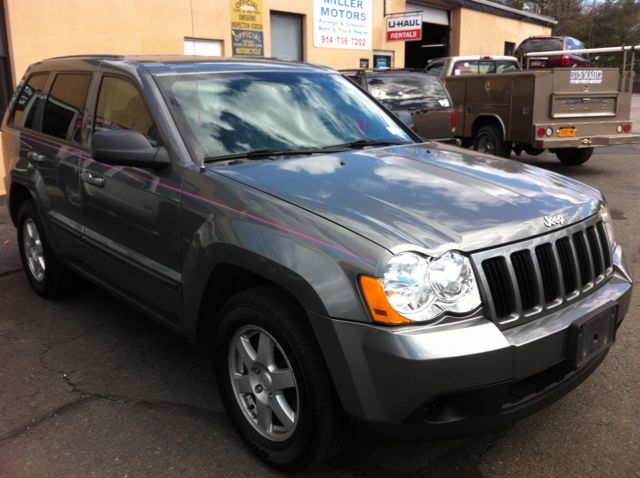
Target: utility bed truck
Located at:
point(568, 111)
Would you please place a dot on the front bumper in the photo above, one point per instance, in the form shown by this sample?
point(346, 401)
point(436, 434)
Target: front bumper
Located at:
point(447, 380)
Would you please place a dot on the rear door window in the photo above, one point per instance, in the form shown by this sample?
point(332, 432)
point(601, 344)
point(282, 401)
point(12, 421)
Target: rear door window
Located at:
point(120, 106)
point(64, 108)
point(29, 101)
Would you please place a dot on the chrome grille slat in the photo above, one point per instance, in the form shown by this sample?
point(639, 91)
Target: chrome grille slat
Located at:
point(521, 281)
point(538, 276)
point(595, 246)
point(604, 244)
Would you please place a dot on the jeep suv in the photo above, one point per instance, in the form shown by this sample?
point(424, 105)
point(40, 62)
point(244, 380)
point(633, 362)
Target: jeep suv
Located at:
point(336, 266)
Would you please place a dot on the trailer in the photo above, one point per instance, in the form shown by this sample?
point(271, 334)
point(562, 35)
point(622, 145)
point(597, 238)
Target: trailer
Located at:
point(569, 111)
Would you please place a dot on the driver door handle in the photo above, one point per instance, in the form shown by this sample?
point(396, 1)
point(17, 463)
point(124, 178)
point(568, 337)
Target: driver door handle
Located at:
point(92, 179)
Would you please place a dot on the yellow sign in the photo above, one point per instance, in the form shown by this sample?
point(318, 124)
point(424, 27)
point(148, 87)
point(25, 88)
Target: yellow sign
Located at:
point(246, 14)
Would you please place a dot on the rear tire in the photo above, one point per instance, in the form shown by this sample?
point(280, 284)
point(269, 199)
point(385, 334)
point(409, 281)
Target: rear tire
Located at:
point(574, 156)
point(312, 429)
point(489, 140)
point(47, 276)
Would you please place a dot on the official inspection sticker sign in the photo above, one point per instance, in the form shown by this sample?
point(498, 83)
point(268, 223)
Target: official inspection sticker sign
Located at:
point(342, 24)
point(405, 27)
point(247, 38)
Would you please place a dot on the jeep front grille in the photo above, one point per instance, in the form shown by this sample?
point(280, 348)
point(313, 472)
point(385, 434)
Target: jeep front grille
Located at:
point(521, 281)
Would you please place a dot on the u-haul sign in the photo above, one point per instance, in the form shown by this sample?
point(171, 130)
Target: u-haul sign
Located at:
point(404, 27)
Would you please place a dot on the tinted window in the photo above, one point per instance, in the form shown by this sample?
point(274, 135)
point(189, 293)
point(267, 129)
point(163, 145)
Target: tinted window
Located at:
point(228, 113)
point(408, 91)
point(434, 70)
point(543, 44)
point(29, 101)
point(120, 106)
point(63, 109)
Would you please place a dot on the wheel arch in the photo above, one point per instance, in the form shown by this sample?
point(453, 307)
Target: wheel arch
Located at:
point(237, 271)
point(488, 119)
point(18, 193)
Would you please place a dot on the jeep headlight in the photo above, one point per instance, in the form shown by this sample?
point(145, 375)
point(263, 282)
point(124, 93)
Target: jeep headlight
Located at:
point(416, 288)
point(607, 222)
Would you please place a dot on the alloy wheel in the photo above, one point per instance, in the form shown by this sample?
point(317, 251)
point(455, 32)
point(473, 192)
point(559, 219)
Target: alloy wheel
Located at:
point(33, 251)
point(264, 383)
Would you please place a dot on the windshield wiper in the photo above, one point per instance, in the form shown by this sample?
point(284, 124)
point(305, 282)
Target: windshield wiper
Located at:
point(269, 153)
point(260, 154)
point(361, 143)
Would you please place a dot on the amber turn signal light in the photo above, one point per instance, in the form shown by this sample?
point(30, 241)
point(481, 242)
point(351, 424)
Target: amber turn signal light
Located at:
point(379, 306)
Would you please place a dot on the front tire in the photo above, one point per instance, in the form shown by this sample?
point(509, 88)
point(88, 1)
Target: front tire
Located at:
point(47, 276)
point(489, 140)
point(574, 156)
point(274, 382)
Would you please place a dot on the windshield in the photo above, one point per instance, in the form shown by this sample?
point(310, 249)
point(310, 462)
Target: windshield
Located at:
point(234, 113)
point(408, 91)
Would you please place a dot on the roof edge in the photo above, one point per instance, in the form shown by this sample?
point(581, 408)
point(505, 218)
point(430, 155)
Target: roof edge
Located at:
point(530, 15)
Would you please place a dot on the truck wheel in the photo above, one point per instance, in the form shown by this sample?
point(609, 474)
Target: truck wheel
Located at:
point(47, 276)
point(488, 139)
point(274, 382)
point(574, 156)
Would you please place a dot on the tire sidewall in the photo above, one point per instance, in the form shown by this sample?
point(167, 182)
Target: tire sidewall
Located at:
point(500, 147)
point(283, 454)
point(574, 156)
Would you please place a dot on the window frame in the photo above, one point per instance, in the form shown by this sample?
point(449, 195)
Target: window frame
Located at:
point(96, 101)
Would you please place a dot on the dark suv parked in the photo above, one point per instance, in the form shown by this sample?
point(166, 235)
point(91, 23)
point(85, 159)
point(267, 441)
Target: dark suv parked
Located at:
point(332, 264)
point(552, 43)
point(422, 102)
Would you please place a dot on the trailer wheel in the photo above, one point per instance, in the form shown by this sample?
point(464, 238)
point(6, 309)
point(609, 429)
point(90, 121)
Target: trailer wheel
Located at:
point(488, 139)
point(574, 156)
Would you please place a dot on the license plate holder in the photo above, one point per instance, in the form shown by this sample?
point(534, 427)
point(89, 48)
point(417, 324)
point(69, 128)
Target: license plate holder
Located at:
point(567, 132)
point(590, 336)
point(535, 63)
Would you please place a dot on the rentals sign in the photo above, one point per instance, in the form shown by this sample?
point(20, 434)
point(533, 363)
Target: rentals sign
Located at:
point(406, 27)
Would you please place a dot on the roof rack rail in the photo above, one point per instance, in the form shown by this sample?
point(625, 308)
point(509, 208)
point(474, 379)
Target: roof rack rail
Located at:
point(86, 55)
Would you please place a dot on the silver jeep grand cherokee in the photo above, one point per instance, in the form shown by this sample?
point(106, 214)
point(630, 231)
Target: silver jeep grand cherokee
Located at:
point(337, 266)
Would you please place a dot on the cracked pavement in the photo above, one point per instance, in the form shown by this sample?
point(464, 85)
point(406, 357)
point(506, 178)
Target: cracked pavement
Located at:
point(90, 387)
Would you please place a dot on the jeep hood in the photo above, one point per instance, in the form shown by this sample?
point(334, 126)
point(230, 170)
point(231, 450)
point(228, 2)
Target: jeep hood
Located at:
point(430, 195)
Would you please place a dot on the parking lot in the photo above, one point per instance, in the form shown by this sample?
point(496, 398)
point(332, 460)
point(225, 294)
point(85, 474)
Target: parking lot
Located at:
point(89, 387)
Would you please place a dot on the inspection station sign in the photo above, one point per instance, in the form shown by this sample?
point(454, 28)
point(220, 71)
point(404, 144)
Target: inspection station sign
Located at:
point(246, 28)
point(406, 27)
point(342, 24)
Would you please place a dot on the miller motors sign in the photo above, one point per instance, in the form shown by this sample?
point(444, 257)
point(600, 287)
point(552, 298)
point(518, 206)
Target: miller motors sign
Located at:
point(405, 27)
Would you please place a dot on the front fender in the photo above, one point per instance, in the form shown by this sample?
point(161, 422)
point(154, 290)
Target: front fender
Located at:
point(303, 253)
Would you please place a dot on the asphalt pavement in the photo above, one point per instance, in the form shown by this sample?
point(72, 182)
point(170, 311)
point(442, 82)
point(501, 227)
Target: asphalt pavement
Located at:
point(90, 387)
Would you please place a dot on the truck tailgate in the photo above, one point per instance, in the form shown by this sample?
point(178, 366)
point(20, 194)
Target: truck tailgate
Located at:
point(585, 92)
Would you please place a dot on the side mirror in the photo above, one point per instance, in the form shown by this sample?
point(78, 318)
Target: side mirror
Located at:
point(123, 147)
